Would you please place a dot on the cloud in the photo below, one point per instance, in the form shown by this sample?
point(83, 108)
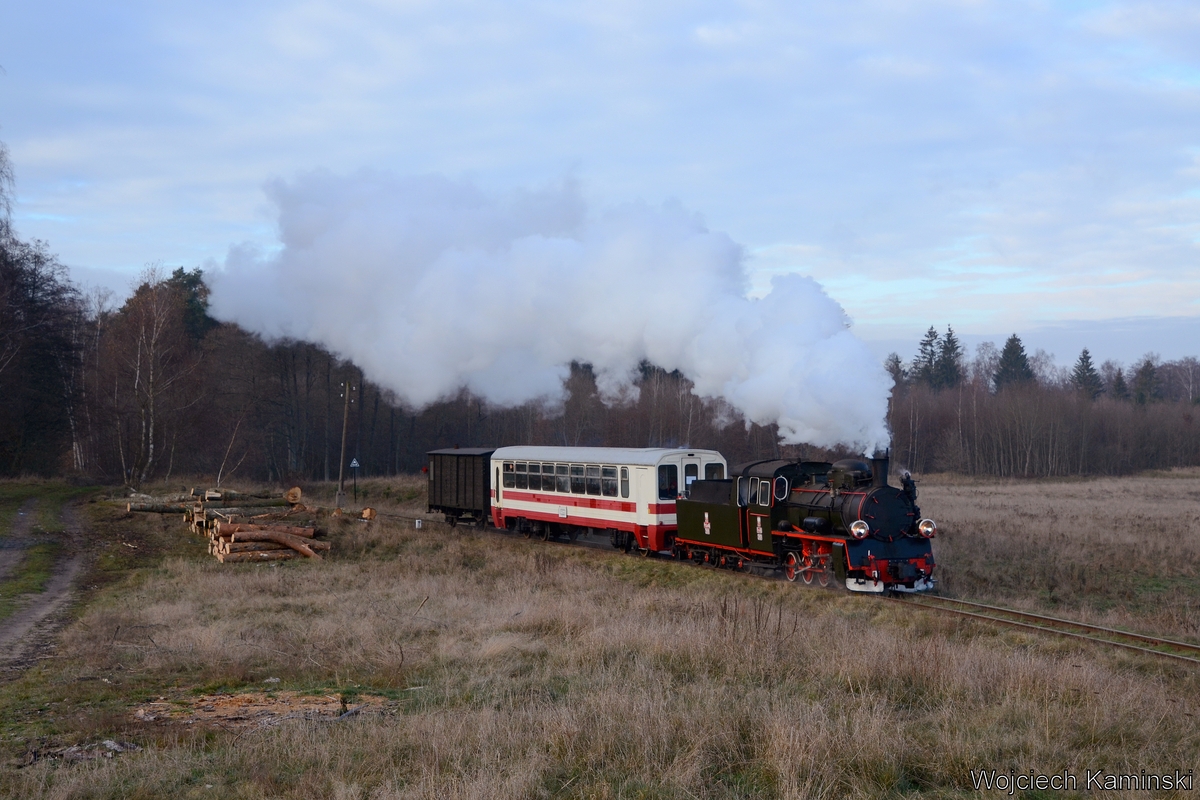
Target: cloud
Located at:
point(871, 141)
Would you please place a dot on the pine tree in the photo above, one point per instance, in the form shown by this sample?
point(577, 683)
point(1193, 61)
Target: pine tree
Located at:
point(1086, 378)
point(925, 363)
point(1013, 368)
point(948, 370)
point(1120, 390)
point(895, 368)
point(1146, 385)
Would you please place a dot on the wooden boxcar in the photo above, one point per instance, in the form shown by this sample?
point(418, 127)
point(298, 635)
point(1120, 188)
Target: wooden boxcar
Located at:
point(459, 484)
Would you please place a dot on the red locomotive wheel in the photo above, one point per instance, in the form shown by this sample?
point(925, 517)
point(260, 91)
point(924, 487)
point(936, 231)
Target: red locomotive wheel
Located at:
point(789, 567)
point(808, 572)
point(823, 577)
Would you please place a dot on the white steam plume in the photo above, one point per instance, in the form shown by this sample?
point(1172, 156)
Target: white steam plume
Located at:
point(430, 284)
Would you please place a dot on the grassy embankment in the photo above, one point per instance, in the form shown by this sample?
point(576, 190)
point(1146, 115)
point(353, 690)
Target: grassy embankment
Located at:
point(515, 668)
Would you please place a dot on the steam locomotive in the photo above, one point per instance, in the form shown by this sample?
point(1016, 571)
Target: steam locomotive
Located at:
point(813, 520)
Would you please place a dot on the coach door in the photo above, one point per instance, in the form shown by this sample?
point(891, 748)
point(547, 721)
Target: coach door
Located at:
point(691, 472)
point(646, 492)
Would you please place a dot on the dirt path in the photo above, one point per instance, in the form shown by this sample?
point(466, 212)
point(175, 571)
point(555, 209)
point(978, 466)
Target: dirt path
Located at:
point(28, 633)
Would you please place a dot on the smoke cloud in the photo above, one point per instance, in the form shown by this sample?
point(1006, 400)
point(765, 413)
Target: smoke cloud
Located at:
point(432, 284)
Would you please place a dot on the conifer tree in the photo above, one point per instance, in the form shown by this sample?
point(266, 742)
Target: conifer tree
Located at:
point(948, 370)
point(1085, 377)
point(925, 362)
point(1013, 368)
point(1120, 390)
point(895, 368)
point(1146, 385)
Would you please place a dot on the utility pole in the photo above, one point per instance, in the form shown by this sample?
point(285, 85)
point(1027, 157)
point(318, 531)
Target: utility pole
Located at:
point(341, 492)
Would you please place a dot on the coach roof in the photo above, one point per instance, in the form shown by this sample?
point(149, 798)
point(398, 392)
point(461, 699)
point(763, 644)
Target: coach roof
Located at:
point(647, 456)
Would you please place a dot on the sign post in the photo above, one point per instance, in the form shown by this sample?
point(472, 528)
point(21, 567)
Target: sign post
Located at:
point(354, 466)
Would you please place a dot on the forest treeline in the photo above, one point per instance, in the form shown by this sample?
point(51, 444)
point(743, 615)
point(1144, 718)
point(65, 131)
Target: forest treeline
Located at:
point(155, 388)
point(1006, 413)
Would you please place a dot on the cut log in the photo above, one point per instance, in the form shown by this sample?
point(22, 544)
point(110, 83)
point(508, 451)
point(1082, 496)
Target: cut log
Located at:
point(258, 555)
point(229, 528)
point(294, 542)
point(225, 512)
point(293, 495)
point(250, 547)
point(368, 513)
point(244, 500)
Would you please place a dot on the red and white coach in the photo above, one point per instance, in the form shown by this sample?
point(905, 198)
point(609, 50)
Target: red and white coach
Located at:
point(628, 492)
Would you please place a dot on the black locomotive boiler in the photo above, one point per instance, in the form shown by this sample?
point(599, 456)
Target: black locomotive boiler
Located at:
point(815, 521)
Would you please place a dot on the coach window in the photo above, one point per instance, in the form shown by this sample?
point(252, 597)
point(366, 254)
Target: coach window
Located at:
point(764, 493)
point(593, 479)
point(562, 479)
point(624, 481)
point(608, 481)
point(547, 477)
point(577, 482)
point(510, 478)
point(714, 472)
point(522, 475)
point(691, 472)
point(668, 482)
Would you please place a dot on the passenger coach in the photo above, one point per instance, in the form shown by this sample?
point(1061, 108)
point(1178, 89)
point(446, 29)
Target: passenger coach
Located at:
point(566, 491)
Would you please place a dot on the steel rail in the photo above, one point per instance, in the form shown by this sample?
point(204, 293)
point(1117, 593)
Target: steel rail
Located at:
point(1047, 627)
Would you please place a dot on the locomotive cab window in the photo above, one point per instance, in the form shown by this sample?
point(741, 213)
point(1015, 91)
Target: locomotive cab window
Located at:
point(593, 479)
point(668, 482)
point(714, 472)
point(764, 493)
point(510, 478)
point(608, 481)
point(781, 488)
point(522, 475)
point(577, 482)
point(562, 480)
point(624, 481)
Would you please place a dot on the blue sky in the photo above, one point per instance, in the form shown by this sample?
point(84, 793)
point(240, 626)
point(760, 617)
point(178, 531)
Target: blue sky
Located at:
point(996, 166)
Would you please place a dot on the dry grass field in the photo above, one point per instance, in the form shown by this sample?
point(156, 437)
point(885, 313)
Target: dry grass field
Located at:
point(496, 666)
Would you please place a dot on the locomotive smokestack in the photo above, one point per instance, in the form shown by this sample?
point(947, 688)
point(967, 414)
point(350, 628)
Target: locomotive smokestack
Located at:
point(879, 468)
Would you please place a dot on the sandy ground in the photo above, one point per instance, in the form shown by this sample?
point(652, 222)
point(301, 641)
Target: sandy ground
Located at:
point(28, 633)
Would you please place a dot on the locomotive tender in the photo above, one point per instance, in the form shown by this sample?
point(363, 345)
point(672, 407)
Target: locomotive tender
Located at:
point(813, 520)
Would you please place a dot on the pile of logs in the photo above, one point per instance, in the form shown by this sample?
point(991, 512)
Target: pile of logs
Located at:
point(244, 526)
point(241, 541)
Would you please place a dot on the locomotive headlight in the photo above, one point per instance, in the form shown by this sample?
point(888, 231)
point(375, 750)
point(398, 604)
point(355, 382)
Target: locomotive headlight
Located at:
point(927, 528)
point(859, 529)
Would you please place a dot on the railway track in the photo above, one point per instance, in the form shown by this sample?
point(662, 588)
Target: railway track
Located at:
point(1142, 643)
